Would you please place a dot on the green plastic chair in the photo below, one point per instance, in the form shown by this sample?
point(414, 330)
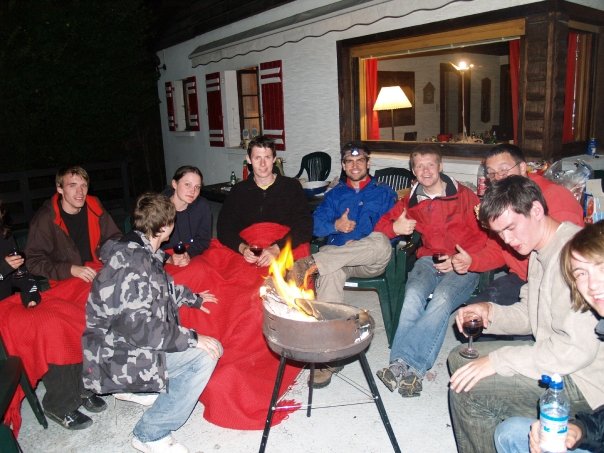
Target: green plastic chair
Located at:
point(397, 178)
point(317, 166)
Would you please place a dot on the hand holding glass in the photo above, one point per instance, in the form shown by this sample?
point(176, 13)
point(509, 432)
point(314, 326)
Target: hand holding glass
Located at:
point(256, 250)
point(439, 257)
point(180, 249)
point(21, 271)
point(472, 327)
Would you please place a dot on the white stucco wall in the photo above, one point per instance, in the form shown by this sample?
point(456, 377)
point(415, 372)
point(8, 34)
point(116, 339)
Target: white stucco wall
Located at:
point(310, 82)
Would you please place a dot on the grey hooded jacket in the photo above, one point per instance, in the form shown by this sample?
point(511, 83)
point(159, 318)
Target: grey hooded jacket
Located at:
point(132, 319)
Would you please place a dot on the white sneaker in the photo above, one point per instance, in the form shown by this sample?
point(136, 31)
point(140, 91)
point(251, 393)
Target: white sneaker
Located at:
point(144, 399)
point(167, 444)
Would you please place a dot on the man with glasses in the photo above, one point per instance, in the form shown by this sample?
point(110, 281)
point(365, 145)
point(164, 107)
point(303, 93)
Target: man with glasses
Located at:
point(502, 161)
point(347, 217)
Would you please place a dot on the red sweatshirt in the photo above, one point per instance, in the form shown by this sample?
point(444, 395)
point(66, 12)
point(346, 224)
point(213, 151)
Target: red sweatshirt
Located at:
point(443, 222)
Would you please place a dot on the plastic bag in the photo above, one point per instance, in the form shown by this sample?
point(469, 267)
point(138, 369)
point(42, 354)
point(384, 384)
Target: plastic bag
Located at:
point(571, 174)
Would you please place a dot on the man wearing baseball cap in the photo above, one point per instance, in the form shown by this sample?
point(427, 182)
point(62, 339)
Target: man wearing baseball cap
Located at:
point(346, 217)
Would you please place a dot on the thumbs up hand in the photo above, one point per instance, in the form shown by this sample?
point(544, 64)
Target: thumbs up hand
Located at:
point(461, 261)
point(403, 225)
point(344, 224)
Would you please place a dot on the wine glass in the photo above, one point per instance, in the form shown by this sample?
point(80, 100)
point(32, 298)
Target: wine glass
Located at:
point(180, 248)
point(472, 327)
point(21, 271)
point(256, 249)
point(439, 257)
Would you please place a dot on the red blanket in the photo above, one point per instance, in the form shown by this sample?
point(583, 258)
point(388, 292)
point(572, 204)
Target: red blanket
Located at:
point(48, 333)
point(238, 394)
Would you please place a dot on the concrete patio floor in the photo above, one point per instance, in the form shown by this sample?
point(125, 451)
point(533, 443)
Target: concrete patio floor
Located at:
point(421, 425)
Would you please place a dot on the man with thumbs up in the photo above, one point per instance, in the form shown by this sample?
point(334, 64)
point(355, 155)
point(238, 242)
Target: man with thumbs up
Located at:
point(347, 217)
point(442, 211)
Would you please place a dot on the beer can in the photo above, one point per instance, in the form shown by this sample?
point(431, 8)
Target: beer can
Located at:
point(592, 146)
point(481, 187)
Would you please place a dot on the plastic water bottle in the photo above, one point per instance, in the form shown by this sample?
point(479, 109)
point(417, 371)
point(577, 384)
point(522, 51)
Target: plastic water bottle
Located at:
point(553, 413)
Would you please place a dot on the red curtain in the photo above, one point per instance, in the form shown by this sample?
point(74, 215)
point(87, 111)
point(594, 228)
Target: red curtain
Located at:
point(569, 89)
point(514, 76)
point(371, 90)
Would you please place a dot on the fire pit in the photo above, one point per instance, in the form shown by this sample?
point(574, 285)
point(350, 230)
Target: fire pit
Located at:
point(325, 333)
point(343, 331)
point(301, 329)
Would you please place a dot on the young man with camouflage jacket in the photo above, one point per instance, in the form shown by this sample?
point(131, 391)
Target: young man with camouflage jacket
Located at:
point(133, 341)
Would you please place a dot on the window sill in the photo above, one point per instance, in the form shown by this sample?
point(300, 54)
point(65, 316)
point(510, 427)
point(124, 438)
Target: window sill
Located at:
point(471, 150)
point(184, 133)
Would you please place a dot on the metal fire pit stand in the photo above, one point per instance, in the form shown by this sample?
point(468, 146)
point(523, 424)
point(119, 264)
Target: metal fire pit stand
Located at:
point(372, 387)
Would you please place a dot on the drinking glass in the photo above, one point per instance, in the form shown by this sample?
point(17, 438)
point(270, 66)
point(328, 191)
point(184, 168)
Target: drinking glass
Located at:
point(439, 257)
point(21, 271)
point(256, 249)
point(180, 248)
point(472, 327)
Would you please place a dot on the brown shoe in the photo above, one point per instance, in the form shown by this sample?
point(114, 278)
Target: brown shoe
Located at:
point(302, 271)
point(323, 375)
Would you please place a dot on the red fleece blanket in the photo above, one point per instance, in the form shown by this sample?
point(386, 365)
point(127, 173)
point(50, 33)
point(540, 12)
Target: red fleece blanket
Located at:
point(48, 333)
point(238, 394)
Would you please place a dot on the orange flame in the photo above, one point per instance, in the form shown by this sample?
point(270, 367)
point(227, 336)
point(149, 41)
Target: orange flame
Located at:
point(287, 289)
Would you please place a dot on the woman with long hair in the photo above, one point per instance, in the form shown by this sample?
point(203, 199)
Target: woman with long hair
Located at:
point(193, 225)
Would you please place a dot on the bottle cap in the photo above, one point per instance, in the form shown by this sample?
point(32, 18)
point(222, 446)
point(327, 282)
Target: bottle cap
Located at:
point(553, 382)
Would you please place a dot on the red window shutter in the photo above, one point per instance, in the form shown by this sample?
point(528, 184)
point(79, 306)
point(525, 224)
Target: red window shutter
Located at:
point(191, 93)
point(214, 109)
point(170, 106)
point(271, 83)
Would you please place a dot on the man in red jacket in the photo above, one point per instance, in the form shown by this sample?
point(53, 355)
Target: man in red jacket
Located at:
point(64, 238)
point(502, 161)
point(442, 211)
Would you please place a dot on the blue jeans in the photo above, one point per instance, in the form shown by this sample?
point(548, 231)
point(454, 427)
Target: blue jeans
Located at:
point(476, 414)
point(423, 324)
point(511, 436)
point(188, 374)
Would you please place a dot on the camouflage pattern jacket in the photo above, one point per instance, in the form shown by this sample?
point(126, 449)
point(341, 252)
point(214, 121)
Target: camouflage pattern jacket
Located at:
point(132, 319)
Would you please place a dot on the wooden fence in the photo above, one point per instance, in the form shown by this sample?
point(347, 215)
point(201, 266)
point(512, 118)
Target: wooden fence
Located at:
point(22, 193)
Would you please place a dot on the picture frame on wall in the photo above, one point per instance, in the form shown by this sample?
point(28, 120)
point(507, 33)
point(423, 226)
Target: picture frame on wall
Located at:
point(429, 93)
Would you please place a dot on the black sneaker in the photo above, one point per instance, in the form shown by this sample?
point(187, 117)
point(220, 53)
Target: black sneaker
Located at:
point(94, 403)
point(410, 385)
point(74, 420)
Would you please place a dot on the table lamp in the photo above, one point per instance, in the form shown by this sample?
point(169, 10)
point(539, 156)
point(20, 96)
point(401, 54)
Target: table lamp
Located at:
point(391, 98)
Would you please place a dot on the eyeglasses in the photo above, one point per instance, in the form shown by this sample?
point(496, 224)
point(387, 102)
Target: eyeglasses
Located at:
point(500, 173)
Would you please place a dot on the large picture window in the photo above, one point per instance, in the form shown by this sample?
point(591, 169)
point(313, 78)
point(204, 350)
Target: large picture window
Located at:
point(526, 68)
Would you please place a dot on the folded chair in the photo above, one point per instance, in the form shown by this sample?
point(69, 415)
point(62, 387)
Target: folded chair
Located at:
point(13, 374)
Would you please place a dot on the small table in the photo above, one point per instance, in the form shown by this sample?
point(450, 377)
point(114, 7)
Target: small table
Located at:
point(215, 192)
